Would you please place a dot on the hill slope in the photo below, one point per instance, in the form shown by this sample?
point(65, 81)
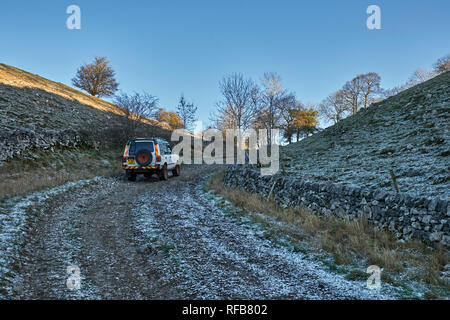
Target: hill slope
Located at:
point(85, 134)
point(407, 133)
point(30, 101)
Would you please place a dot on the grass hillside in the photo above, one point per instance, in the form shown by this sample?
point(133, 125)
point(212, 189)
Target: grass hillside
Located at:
point(407, 133)
point(30, 101)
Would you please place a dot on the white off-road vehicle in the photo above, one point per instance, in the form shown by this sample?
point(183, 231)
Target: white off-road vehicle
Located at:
point(149, 156)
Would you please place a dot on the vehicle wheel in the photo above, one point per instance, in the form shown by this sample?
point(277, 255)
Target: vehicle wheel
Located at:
point(131, 176)
point(176, 171)
point(147, 175)
point(163, 173)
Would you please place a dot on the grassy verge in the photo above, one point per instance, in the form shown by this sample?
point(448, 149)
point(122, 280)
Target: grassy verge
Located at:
point(39, 170)
point(351, 243)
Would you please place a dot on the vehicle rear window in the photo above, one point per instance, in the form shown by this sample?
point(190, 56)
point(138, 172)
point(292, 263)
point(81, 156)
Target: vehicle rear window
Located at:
point(144, 145)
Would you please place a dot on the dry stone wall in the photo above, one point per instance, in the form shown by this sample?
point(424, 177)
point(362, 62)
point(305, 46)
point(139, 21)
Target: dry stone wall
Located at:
point(13, 143)
point(407, 216)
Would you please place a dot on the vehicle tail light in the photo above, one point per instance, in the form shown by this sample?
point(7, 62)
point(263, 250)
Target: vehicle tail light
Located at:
point(125, 153)
point(158, 158)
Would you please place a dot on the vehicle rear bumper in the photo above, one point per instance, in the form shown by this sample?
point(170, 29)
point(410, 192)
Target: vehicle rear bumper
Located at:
point(145, 169)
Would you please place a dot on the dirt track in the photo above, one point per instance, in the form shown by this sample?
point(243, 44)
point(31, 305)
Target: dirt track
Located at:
point(161, 240)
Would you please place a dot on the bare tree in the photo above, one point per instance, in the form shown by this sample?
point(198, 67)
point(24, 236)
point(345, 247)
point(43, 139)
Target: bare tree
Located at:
point(370, 86)
point(386, 93)
point(361, 90)
point(272, 95)
point(136, 107)
point(97, 78)
point(352, 93)
point(187, 112)
point(237, 107)
point(288, 105)
point(419, 76)
point(442, 64)
point(334, 107)
point(261, 119)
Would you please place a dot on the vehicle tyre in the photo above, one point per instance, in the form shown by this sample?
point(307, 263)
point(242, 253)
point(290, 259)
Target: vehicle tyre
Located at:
point(176, 171)
point(131, 176)
point(143, 157)
point(163, 173)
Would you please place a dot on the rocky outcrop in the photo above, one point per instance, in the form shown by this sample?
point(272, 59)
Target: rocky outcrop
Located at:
point(407, 216)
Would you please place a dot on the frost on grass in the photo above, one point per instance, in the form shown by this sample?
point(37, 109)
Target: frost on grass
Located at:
point(306, 277)
point(17, 216)
point(279, 233)
point(216, 255)
point(408, 133)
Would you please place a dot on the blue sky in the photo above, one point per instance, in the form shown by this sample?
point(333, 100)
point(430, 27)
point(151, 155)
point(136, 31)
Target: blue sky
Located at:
point(170, 47)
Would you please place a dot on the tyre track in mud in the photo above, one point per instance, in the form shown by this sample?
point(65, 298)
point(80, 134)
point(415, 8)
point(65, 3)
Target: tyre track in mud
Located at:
point(161, 240)
point(226, 260)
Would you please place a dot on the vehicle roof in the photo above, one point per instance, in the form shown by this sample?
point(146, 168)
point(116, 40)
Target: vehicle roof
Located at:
point(155, 140)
